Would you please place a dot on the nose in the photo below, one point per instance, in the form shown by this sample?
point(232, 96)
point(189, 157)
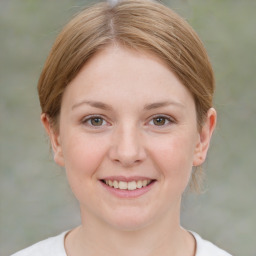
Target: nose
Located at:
point(127, 146)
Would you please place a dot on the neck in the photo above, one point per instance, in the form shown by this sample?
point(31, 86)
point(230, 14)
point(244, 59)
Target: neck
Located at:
point(165, 237)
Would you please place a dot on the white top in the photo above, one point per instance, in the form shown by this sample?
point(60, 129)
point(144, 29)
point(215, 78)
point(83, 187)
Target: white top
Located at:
point(54, 246)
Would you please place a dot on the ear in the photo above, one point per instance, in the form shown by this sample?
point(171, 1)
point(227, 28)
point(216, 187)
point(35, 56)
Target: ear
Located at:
point(54, 138)
point(205, 137)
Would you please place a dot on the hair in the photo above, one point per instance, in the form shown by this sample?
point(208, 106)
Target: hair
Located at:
point(138, 24)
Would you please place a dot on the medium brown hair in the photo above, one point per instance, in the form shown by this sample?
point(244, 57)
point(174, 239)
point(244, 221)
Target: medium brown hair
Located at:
point(138, 24)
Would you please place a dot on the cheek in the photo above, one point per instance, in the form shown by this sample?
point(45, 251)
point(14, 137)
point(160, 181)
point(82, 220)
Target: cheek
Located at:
point(83, 155)
point(174, 157)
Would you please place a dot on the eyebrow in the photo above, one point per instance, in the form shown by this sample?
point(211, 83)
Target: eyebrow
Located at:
point(95, 104)
point(101, 105)
point(162, 104)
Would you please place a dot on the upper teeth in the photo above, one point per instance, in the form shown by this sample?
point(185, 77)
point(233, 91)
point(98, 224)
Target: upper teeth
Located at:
point(131, 185)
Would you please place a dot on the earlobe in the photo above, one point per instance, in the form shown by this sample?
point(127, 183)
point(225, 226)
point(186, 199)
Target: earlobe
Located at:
point(54, 138)
point(205, 137)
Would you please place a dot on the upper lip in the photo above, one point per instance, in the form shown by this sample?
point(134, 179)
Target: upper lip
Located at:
point(126, 179)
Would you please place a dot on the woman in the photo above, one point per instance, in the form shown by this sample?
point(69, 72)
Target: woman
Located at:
point(126, 96)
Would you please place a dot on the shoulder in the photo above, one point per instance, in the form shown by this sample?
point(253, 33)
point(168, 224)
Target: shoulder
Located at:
point(53, 246)
point(207, 248)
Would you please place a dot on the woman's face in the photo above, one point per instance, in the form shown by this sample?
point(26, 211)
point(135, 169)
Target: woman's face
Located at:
point(126, 121)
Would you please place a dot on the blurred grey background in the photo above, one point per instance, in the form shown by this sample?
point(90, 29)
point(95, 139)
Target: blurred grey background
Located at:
point(35, 201)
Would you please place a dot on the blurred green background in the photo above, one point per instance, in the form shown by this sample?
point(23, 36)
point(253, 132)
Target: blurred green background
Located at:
point(35, 199)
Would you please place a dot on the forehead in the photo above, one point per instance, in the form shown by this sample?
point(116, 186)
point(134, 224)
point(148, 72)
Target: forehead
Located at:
point(118, 73)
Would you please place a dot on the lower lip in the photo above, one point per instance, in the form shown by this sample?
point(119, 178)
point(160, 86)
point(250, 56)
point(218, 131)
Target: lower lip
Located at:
point(125, 193)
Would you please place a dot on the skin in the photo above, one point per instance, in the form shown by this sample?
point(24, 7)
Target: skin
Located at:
point(126, 139)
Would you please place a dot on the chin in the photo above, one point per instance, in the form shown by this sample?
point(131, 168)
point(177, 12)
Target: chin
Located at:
point(130, 220)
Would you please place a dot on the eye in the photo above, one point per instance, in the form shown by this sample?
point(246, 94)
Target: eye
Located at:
point(95, 121)
point(160, 121)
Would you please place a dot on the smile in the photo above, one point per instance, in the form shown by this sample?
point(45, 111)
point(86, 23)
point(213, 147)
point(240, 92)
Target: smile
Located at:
point(131, 185)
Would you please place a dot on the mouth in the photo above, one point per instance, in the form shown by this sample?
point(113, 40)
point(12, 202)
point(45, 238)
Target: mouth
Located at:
point(131, 185)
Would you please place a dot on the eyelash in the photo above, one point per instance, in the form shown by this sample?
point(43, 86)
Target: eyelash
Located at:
point(87, 119)
point(165, 118)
